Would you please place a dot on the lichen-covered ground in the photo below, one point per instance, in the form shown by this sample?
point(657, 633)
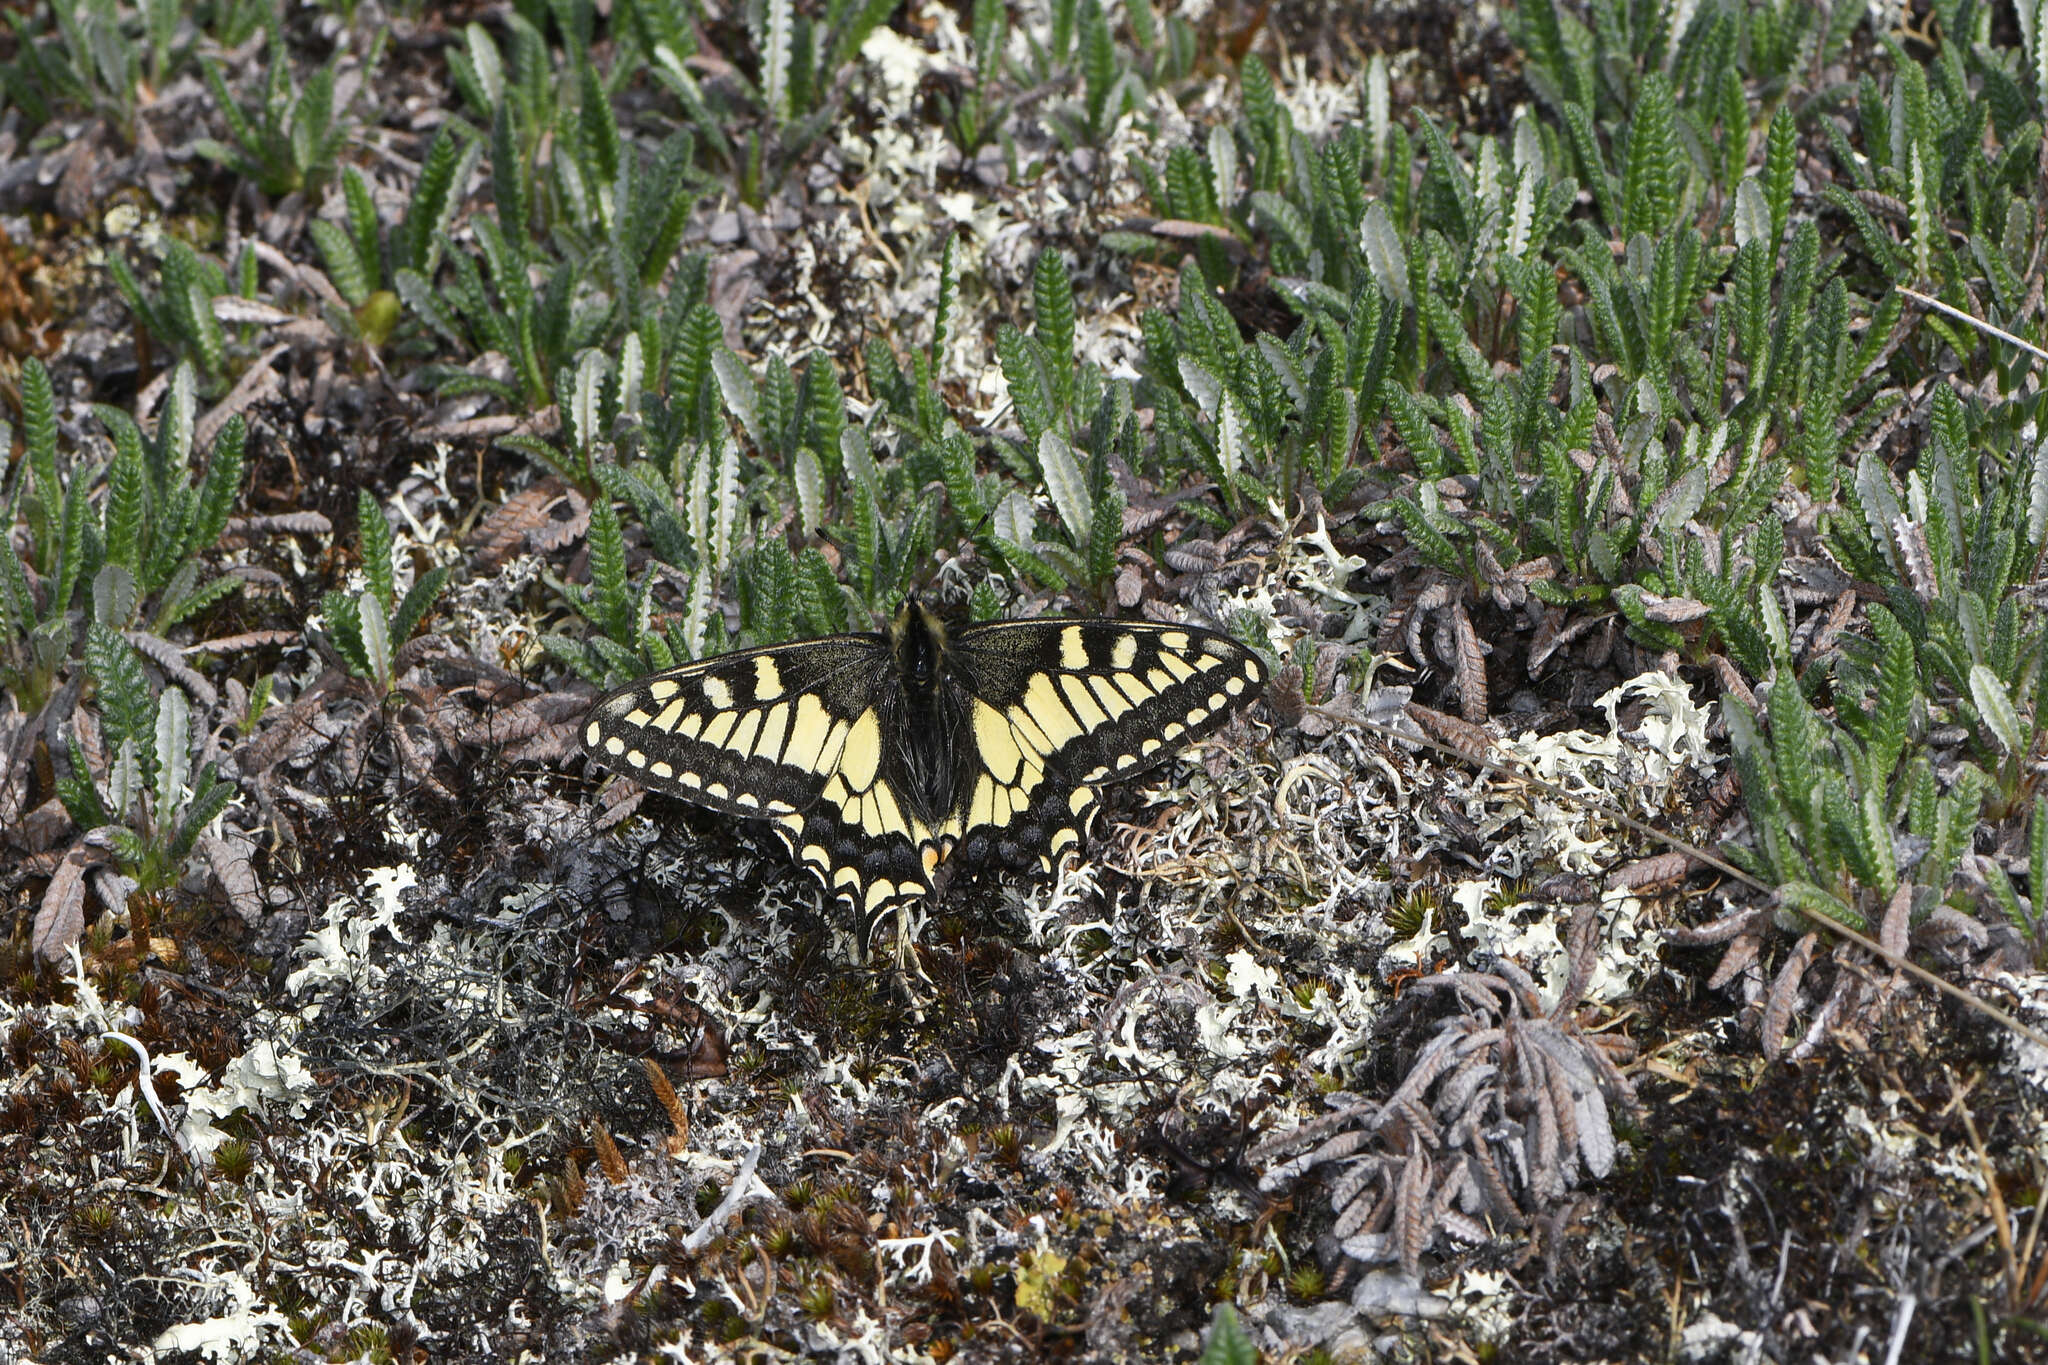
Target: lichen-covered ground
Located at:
point(443, 1048)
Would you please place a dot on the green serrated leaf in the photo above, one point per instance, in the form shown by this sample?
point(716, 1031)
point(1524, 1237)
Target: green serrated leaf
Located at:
point(377, 543)
point(418, 600)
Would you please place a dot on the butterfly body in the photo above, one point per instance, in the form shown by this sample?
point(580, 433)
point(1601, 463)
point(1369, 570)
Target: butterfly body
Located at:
point(882, 759)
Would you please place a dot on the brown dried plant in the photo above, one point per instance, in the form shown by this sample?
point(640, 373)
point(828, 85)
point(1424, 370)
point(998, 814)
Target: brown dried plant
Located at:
point(1502, 1113)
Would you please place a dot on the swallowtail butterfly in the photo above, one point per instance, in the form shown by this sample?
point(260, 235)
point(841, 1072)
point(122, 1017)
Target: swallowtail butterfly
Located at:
point(881, 758)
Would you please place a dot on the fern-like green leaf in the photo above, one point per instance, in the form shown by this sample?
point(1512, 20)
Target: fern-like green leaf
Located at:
point(417, 601)
point(127, 509)
point(1780, 148)
point(377, 543)
point(1052, 295)
point(1651, 179)
point(611, 601)
point(126, 706)
point(1031, 388)
point(344, 267)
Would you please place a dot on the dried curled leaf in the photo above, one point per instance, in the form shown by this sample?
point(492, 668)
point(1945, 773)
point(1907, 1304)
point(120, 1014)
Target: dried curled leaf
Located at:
point(1662, 869)
point(543, 516)
point(171, 659)
point(248, 530)
point(1741, 955)
point(1785, 990)
point(60, 917)
point(1472, 699)
point(229, 858)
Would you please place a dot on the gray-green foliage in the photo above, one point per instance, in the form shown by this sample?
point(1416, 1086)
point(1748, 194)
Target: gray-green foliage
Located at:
point(368, 628)
point(1821, 799)
point(94, 56)
point(1956, 551)
point(692, 549)
point(1073, 423)
point(289, 139)
point(372, 268)
point(597, 221)
point(136, 562)
point(91, 585)
point(973, 116)
point(1844, 811)
point(1722, 350)
point(151, 807)
point(179, 312)
point(800, 60)
point(1226, 1342)
point(1110, 84)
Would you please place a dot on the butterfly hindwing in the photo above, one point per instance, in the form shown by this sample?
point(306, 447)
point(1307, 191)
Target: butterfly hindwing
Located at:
point(792, 734)
point(1058, 707)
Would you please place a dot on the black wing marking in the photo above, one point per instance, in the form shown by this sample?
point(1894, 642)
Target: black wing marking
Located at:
point(1058, 707)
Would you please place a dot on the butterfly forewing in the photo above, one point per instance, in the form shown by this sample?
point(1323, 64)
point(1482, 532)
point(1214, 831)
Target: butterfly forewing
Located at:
point(1059, 707)
point(791, 734)
point(836, 745)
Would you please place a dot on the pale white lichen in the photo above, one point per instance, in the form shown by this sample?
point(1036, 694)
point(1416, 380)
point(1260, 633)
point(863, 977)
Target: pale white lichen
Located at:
point(339, 949)
point(232, 1335)
point(265, 1080)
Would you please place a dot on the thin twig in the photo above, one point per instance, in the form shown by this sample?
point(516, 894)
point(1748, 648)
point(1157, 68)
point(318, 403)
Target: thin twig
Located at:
point(2000, 1222)
point(1928, 301)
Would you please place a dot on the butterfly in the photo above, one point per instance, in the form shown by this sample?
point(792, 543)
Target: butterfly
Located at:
point(884, 759)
